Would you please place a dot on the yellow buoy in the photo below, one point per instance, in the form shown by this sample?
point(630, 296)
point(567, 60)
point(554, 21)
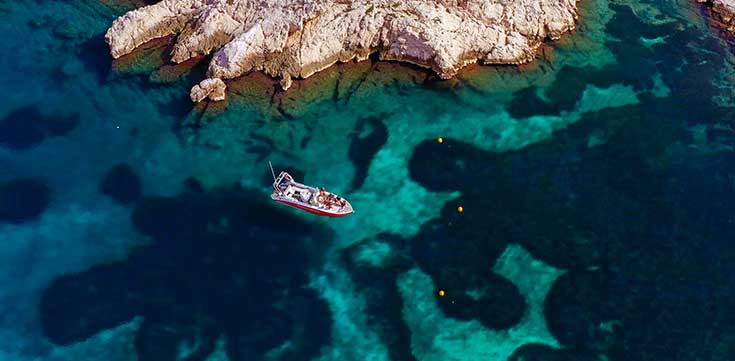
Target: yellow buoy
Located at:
point(441, 293)
point(460, 209)
point(440, 140)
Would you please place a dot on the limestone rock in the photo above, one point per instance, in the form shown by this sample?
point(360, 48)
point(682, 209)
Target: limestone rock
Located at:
point(296, 38)
point(208, 88)
point(724, 11)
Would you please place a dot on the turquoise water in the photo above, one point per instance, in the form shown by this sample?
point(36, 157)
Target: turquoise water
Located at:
point(595, 183)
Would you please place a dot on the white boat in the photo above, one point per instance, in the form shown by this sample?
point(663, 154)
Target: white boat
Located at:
point(307, 198)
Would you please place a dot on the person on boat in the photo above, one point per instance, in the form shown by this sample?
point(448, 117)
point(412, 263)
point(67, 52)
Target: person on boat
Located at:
point(321, 198)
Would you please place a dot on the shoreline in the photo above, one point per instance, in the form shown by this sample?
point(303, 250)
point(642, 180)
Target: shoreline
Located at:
point(292, 40)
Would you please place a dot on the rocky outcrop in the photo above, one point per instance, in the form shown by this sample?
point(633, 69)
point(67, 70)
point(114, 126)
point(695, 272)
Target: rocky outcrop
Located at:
point(724, 13)
point(208, 88)
point(296, 38)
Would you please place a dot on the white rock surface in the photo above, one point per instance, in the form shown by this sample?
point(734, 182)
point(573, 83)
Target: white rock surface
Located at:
point(296, 38)
point(208, 88)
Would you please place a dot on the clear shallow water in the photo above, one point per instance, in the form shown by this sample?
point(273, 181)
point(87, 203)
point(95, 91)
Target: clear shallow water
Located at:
point(596, 184)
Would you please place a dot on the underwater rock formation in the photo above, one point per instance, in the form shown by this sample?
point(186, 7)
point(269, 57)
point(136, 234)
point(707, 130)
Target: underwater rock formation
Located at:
point(208, 88)
point(205, 275)
point(368, 138)
point(121, 184)
point(295, 38)
point(25, 128)
point(724, 11)
point(22, 200)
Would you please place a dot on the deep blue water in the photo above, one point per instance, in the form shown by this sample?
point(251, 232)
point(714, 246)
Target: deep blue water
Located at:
point(597, 188)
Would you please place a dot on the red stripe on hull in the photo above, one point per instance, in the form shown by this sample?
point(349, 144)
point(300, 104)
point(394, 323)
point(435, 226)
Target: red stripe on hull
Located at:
point(312, 210)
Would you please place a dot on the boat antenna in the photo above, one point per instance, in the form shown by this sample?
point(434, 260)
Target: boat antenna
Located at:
point(272, 172)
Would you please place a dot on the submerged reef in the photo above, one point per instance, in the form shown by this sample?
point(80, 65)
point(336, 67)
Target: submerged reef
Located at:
point(608, 241)
point(121, 184)
point(26, 127)
point(368, 138)
point(219, 265)
point(294, 38)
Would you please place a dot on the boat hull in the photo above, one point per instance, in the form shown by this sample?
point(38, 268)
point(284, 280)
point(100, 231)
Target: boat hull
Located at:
point(316, 211)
